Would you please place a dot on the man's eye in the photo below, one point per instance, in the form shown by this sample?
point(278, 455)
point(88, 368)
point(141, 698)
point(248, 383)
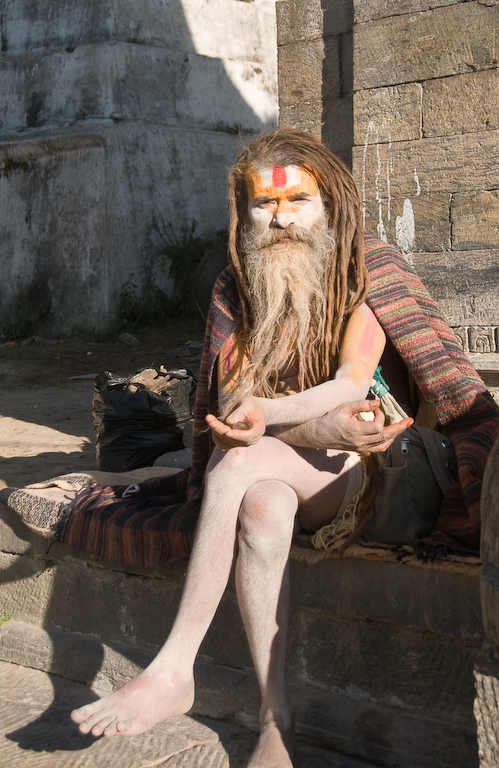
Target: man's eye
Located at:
point(266, 204)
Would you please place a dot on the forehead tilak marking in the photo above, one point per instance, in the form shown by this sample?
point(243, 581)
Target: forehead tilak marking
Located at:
point(279, 179)
point(261, 180)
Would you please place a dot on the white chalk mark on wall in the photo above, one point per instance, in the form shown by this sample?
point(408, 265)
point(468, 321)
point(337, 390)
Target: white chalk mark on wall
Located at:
point(380, 227)
point(418, 186)
point(405, 232)
point(388, 171)
point(370, 127)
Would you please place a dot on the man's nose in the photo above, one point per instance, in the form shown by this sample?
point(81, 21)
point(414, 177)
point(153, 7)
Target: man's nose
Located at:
point(283, 220)
point(284, 215)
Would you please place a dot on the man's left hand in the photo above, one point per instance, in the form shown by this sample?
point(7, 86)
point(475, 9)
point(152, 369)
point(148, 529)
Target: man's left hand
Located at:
point(245, 426)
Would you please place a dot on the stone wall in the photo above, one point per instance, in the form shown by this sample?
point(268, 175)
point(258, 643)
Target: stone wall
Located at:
point(112, 113)
point(407, 92)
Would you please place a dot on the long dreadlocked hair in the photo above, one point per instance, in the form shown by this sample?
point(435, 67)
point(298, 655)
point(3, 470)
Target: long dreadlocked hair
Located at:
point(346, 278)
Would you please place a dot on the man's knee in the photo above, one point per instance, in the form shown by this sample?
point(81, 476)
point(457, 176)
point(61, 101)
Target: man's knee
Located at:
point(247, 461)
point(268, 510)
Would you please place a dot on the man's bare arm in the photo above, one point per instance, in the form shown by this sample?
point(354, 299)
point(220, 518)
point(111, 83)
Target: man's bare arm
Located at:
point(341, 429)
point(312, 411)
point(361, 349)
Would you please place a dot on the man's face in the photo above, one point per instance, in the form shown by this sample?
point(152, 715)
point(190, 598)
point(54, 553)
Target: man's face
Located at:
point(280, 196)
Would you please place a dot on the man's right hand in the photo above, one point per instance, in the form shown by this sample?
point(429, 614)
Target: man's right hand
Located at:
point(341, 429)
point(347, 432)
point(245, 425)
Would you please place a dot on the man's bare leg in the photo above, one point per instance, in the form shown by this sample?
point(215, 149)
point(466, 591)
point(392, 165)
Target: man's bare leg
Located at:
point(267, 521)
point(166, 687)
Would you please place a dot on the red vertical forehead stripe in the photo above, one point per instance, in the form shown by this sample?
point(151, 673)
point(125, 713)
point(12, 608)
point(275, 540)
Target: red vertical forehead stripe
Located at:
point(279, 177)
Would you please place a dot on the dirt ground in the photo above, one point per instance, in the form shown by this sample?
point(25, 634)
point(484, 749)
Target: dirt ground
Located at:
point(46, 390)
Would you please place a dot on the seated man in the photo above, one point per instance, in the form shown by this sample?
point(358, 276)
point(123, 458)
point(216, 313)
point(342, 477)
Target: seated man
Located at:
point(298, 352)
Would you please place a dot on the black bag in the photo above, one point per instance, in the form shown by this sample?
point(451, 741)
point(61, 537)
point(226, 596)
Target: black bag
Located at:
point(416, 471)
point(136, 425)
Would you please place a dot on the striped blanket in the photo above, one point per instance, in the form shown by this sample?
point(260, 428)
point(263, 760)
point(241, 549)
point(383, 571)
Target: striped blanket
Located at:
point(152, 523)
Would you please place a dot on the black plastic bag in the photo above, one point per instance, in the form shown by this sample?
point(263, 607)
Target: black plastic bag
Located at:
point(135, 425)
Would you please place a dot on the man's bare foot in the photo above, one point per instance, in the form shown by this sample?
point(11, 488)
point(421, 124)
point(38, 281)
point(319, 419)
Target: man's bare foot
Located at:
point(148, 699)
point(275, 747)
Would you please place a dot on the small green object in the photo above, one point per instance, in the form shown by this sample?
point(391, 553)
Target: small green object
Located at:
point(380, 387)
point(4, 616)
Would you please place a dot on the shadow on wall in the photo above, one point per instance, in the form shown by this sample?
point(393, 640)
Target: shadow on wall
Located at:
point(106, 118)
point(337, 78)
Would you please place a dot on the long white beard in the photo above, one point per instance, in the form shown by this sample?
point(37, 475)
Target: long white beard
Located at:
point(287, 293)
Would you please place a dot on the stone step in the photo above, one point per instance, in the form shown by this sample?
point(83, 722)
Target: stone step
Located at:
point(380, 657)
point(34, 712)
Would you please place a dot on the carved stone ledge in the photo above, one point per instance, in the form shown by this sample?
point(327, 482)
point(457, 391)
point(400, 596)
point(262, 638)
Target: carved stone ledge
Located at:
point(481, 339)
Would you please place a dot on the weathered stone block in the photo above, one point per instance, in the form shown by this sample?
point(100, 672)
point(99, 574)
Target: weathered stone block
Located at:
point(337, 130)
point(221, 28)
point(297, 20)
point(475, 220)
point(27, 25)
point(309, 71)
point(489, 592)
point(299, 67)
point(486, 706)
point(303, 116)
point(55, 255)
point(446, 41)
point(461, 104)
point(81, 213)
point(423, 598)
point(387, 114)
point(369, 10)
point(430, 214)
point(445, 164)
point(489, 545)
point(465, 285)
point(132, 82)
point(338, 16)
point(346, 59)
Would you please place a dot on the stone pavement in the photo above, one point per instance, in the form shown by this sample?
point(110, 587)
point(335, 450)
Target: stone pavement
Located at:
point(39, 734)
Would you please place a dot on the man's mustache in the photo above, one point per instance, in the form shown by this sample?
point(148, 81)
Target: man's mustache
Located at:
point(291, 232)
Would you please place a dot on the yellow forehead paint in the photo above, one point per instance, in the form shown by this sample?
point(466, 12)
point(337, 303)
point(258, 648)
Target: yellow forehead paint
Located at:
point(279, 182)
